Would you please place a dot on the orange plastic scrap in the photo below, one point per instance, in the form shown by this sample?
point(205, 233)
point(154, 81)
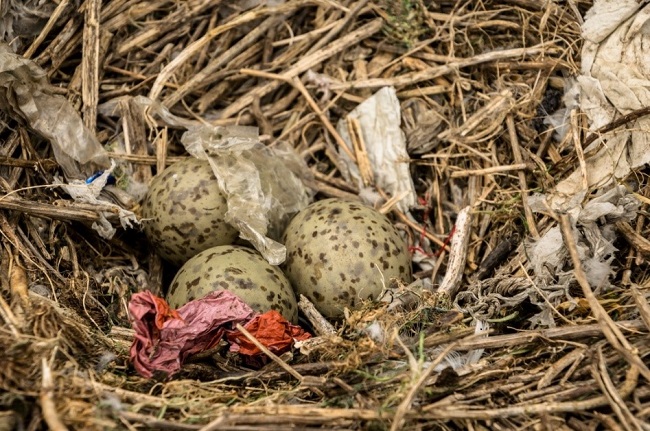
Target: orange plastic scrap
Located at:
point(272, 330)
point(165, 338)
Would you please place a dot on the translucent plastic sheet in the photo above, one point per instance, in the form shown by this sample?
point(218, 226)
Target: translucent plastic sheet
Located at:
point(594, 223)
point(25, 92)
point(263, 185)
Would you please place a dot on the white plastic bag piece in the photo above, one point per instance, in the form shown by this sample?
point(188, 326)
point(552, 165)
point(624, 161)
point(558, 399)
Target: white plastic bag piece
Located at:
point(380, 118)
point(80, 191)
point(595, 236)
point(614, 81)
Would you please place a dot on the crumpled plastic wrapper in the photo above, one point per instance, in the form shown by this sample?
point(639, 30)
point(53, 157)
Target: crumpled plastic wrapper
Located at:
point(379, 119)
point(272, 330)
point(26, 94)
point(81, 191)
point(595, 237)
point(263, 186)
point(166, 338)
point(615, 81)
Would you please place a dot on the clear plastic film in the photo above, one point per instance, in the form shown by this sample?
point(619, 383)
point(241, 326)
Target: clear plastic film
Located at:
point(26, 93)
point(263, 185)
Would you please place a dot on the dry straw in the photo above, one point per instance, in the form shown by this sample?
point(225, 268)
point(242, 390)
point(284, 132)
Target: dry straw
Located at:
point(474, 78)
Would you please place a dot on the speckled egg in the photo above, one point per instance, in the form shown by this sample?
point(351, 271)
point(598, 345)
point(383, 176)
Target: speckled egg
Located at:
point(240, 270)
point(183, 211)
point(340, 252)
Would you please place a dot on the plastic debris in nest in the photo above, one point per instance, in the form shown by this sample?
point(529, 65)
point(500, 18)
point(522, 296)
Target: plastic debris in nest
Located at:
point(594, 225)
point(166, 338)
point(263, 186)
point(26, 94)
point(548, 262)
point(373, 135)
point(88, 191)
point(614, 82)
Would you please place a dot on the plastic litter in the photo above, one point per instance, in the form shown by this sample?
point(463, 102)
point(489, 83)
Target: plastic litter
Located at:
point(109, 181)
point(88, 192)
point(595, 233)
point(263, 185)
point(272, 330)
point(166, 338)
point(262, 190)
point(26, 93)
point(379, 119)
point(614, 81)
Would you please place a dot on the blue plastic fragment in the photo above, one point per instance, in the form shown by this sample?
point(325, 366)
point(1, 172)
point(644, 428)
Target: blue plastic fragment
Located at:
point(93, 177)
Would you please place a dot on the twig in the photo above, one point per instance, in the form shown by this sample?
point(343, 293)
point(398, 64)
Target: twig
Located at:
point(575, 136)
point(457, 254)
point(305, 64)
point(318, 322)
point(490, 171)
point(609, 328)
point(42, 209)
point(615, 399)
point(270, 354)
point(435, 72)
point(576, 355)
point(51, 22)
point(405, 405)
point(640, 244)
point(192, 49)
point(48, 407)
point(297, 83)
point(360, 152)
point(159, 424)
point(197, 79)
point(615, 124)
point(344, 23)
point(216, 424)
point(90, 64)
point(642, 304)
point(523, 183)
point(434, 411)
point(419, 229)
point(552, 334)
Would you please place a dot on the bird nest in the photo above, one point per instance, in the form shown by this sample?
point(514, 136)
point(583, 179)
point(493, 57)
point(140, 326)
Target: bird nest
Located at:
point(545, 319)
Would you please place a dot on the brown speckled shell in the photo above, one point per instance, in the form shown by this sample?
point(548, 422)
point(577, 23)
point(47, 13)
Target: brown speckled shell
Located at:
point(183, 212)
point(337, 252)
point(240, 270)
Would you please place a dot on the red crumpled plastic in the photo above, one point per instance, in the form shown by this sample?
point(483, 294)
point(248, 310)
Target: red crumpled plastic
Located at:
point(272, 330)
point(165, 338)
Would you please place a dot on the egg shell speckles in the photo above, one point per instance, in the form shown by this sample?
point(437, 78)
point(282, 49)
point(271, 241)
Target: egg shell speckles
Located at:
point(184, 211)
point(337, 252)
point(240, 270)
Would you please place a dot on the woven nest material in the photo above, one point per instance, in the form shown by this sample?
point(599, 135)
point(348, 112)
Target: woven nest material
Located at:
point(475, 81)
